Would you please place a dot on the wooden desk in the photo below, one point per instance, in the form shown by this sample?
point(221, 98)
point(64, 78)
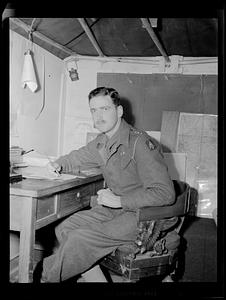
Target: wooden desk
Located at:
point(37, 203)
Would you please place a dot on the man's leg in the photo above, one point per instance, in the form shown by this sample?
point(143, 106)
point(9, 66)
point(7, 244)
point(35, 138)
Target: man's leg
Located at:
point(85, 238)
point(80, 250)
point(80, 219)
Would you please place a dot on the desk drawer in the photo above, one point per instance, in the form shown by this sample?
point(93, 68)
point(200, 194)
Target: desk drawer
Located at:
point(46, 206)
point(75, 199)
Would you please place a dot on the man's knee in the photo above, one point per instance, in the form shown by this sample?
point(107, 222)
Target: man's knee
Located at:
point(75, 241)
point(60, 231)
point(79, 234)
point(64, 228)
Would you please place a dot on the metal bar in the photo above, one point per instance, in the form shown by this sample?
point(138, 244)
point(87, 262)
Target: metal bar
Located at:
point(90, 35)
point(113, 59)
point(199, 61)
point(153, 22)
point(155, 39)
point(41, 36)
point(138, 60)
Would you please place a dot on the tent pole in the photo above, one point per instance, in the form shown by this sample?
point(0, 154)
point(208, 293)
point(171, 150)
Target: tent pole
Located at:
point(84, 25)
point(42, 37)
point(155, 39)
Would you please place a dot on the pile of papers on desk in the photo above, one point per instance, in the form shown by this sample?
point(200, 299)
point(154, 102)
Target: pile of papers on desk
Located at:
point(16, 154)
point(36, 172)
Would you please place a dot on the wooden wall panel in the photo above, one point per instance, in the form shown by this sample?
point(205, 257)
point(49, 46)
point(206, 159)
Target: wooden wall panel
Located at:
point(169, 129)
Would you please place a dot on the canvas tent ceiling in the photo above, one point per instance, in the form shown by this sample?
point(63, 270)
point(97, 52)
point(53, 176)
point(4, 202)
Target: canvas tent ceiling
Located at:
point(123, 37)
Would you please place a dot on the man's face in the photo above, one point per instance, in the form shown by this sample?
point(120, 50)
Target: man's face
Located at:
point(105, 114)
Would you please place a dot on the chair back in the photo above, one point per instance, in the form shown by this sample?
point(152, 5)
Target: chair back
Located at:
point(179, 208)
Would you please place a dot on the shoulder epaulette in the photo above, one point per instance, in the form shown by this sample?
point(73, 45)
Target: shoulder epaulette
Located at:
point(145, 138)
point(140, 133)
point(137, 131)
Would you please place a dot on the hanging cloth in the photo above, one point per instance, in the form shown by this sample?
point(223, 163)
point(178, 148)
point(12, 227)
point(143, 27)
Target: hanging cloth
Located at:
point(28, 75)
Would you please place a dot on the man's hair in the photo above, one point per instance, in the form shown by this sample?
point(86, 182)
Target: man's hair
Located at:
point(104, 91)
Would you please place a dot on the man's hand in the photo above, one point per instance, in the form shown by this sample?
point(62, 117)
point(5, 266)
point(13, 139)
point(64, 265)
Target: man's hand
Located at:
point(107, 198)
point(54, 168)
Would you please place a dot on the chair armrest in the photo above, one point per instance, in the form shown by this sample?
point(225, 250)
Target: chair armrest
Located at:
point(179, 208)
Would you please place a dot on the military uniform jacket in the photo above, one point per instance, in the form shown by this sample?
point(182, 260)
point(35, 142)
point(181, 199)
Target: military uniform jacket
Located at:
point(132, 166)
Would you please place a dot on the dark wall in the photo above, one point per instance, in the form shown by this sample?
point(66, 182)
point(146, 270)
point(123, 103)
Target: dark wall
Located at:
point(146, 96)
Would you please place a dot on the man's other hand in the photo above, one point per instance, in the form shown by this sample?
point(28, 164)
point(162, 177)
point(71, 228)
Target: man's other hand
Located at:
point(107, 198)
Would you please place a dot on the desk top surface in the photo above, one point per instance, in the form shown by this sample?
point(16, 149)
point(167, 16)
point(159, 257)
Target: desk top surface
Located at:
point(44, 187)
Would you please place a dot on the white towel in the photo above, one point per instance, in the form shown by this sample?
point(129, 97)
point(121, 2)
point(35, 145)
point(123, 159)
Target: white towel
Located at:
point(28, 75)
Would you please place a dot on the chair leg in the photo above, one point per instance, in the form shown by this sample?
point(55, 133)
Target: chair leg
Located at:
point(118, 278)
point(168, 278)
point(112, 277)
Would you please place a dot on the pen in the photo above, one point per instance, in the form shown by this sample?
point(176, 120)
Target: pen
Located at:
point(55, 170)
point(26, 152)
point(51, 163)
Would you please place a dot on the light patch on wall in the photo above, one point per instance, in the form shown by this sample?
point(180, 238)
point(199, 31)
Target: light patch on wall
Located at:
point(31, 122)
point(75, 133)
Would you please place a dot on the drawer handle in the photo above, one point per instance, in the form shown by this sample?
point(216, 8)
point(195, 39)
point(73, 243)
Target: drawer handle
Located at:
point(78, 195)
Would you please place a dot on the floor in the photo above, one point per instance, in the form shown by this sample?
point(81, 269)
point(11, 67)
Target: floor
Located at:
point(115, 278)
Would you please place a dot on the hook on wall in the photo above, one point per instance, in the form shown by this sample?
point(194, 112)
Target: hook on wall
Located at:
point(30, 36)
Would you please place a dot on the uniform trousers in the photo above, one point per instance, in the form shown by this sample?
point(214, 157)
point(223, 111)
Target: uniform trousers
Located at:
point(85, 237)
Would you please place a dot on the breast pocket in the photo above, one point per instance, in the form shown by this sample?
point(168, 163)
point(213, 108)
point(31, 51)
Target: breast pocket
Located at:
point(125, 159)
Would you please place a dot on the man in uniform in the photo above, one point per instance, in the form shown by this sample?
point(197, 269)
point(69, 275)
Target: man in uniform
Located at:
point(136, 176)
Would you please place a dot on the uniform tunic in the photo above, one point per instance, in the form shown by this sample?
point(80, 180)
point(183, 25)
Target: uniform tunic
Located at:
point(133, 168)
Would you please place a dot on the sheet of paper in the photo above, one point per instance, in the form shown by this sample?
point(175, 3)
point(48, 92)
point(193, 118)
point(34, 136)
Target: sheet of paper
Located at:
point(42, 173)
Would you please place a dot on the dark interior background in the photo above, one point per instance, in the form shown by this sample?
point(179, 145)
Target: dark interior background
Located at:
point(146, 96)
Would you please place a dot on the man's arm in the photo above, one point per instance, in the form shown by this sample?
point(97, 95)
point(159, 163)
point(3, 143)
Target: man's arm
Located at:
point(157, 187)
point(85, 157)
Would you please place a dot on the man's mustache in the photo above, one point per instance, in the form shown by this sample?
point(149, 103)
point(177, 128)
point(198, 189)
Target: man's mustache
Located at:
point(100, 122)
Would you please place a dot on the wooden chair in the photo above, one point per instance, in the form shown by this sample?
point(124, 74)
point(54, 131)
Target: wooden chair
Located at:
point(155, 251)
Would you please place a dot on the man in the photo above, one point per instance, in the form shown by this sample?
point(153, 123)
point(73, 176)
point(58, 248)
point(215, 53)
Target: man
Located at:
point(136, 176)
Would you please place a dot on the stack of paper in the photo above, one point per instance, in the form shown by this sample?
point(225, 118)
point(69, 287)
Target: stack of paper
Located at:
point(43, 173)
point(15, 154)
